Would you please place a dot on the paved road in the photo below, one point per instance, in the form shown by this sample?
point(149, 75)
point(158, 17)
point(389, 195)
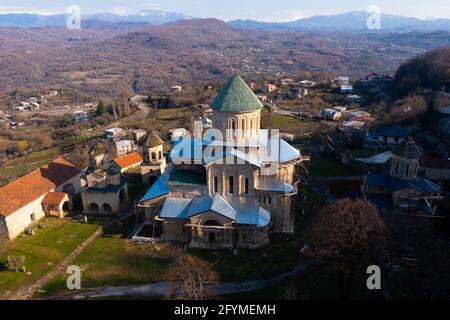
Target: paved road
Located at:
point(173, 289)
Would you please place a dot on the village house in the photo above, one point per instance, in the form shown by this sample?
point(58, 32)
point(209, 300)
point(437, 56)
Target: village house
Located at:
point(302, 93)
point(123, 147)
point(48, 190)
point(307, 83)
point(201, 125)
point(346, 88)
point(113, 133)
point(125, 163)
point(233, 196)
point(386, 137)
point(331, 114)
point(342, 80)
point(270, 87)
point(138, 135)
point(177, 133)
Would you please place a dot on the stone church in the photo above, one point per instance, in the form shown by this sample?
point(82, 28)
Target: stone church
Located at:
point(229, 188)
point(400, 189)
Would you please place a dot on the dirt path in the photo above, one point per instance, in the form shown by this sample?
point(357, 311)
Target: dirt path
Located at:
point(173, 289)
point(28, 292)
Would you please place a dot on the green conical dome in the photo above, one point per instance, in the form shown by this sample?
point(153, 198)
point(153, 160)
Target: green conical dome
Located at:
point(236, 96)
point(154, 140)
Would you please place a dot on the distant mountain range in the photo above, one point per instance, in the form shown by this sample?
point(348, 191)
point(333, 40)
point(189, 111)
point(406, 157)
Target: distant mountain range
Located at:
point(99, 20)
point(352, 21)
point(346, 22)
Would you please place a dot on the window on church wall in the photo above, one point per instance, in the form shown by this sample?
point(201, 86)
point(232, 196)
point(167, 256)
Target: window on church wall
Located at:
point(216, 184)
point(246, 186)
point(396, 168)
point(153, 156)
point(270, 201)
point(251, 127)
point(407, 169)
point(160, 155)
point(230, 184)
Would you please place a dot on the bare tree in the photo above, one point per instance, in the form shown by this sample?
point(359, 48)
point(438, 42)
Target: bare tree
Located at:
point(194, 274)
point(349, 234)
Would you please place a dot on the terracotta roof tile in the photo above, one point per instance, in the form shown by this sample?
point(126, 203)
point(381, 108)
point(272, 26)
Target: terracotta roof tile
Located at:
point(54, 198)
point(33, 185)
point(128, 160)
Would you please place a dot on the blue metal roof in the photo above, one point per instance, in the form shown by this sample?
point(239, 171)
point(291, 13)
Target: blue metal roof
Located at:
point(176, 208)
point(159, 188)
point(395, 132)
point(259, 217)
point(384, 180)
point(208, 203)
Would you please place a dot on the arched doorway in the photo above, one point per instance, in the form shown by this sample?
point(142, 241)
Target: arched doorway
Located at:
point(93, 207)
point(212, 237)
point(122, 196)
point(107, 208)
point(65, 207)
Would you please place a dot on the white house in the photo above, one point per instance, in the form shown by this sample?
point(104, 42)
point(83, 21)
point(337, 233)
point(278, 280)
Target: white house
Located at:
point(27, 199)
point(124, 147)
point(346, 88)
point(178, 133)
point(113, 132)
point(331, 114)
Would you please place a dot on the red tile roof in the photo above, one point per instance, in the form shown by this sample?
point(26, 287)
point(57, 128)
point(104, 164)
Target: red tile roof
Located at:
point(35, 184)
point(54, 198)
point(128, 160)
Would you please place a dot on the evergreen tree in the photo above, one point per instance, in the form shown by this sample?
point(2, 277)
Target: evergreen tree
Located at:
point(101, 108)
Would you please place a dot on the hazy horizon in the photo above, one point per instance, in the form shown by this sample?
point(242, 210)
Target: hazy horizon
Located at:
point(282, 10)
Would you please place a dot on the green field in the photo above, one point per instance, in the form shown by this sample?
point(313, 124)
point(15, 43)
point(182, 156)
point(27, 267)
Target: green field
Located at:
point(41, 251)
point(114, 260)
point(16, 167)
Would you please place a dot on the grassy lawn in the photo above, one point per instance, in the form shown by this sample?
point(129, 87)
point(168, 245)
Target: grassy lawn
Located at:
point(280, 256)
point(329, 167)
point(42, 251)
point(114, 260)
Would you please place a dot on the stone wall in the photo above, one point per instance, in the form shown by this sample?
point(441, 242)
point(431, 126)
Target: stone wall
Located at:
point(102, 200)
point(17, 222)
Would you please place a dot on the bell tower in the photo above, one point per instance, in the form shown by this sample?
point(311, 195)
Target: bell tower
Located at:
point(405, 160)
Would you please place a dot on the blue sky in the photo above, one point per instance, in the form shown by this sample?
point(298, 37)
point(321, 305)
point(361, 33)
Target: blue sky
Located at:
point(267, 10)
